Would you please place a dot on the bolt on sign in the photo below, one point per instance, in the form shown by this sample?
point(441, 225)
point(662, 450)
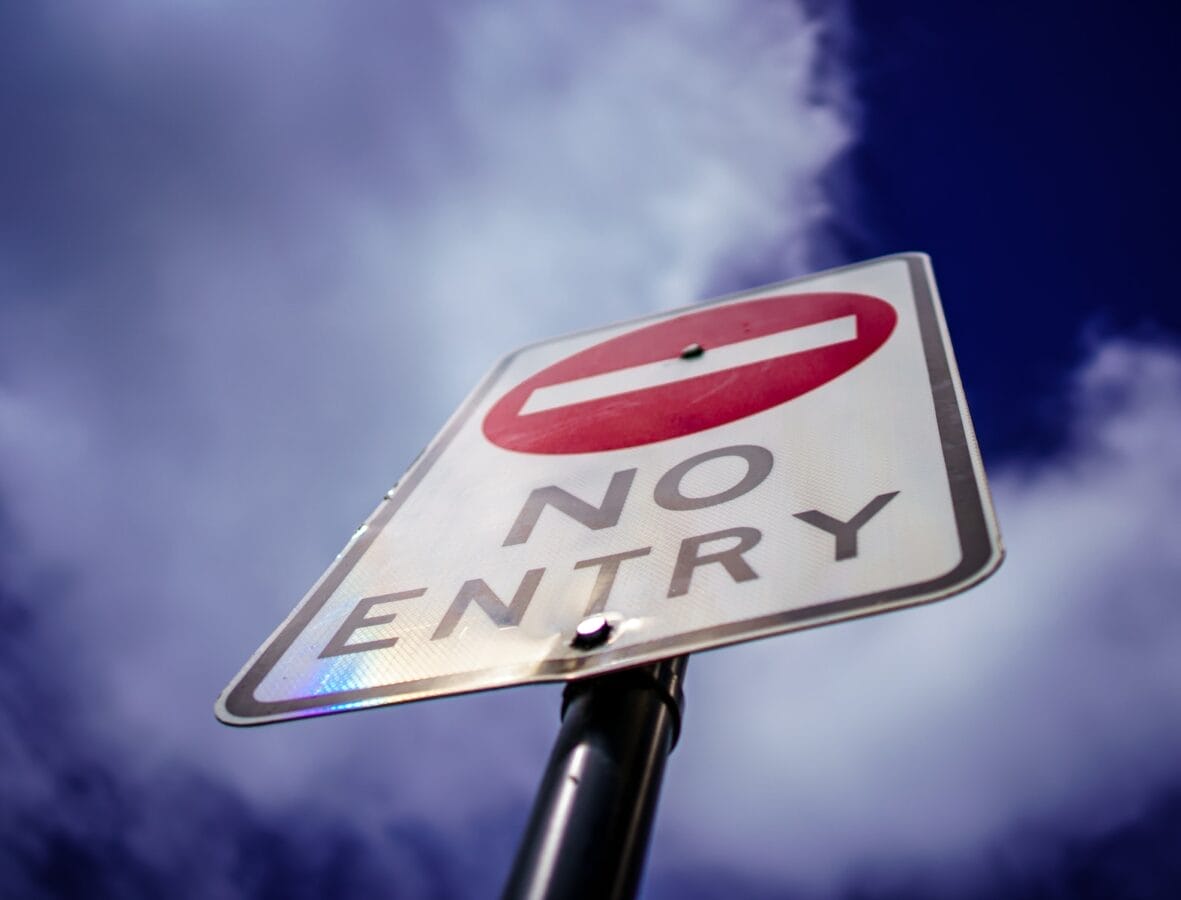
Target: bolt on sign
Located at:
point(786, 457)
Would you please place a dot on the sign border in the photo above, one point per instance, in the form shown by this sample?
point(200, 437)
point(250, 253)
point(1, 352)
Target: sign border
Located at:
point(974, 517)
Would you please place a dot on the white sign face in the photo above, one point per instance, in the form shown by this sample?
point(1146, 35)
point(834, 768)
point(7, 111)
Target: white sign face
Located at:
point(787, 457)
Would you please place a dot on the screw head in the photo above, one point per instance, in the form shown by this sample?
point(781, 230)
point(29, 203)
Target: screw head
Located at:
point(592, 631)
point(692, 351)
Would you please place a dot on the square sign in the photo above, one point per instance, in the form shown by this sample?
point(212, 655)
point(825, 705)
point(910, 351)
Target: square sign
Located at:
point(787, 457)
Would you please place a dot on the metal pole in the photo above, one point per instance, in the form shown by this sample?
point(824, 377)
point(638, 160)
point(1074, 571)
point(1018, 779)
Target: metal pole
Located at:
point(588, 833)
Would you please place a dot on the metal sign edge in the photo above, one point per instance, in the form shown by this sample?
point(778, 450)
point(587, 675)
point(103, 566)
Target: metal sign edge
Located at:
point(978, 532)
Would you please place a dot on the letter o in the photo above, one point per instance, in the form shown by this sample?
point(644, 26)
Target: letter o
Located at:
point(758, 466)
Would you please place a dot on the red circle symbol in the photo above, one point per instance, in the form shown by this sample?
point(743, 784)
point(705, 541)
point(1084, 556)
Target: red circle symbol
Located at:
point(638, 388)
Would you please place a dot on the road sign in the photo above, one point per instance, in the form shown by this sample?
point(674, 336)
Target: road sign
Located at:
point(787, 457)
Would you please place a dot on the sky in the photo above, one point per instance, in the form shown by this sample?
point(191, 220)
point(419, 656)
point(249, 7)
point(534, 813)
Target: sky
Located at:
point(252, 258)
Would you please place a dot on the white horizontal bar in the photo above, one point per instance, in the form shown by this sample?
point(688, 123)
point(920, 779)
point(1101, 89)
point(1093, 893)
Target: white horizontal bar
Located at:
point(668, 371)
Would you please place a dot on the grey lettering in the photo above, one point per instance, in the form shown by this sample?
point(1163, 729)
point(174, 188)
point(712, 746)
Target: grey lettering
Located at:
point(594, 517)
point(608, 569)
point(689, 557)
point(846, 532)
point(478, 590)
point(758, 467)
point(359, 618)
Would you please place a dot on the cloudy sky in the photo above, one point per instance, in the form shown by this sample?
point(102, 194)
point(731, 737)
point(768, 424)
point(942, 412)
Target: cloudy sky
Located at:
point(250, 261)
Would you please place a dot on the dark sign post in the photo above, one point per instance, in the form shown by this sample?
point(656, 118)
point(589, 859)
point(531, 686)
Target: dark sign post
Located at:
point(588, 834)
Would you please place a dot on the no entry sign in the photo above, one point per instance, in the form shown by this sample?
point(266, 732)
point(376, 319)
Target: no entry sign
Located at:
point(635, 388)
point(792, 456)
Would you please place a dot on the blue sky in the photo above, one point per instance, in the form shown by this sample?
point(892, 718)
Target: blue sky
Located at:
point(250, 262)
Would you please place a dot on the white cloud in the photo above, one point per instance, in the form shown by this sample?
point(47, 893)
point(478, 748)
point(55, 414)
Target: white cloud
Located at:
point(304, 237)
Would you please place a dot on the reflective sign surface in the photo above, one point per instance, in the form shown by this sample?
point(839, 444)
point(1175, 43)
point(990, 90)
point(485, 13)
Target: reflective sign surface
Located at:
point(796, 455)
